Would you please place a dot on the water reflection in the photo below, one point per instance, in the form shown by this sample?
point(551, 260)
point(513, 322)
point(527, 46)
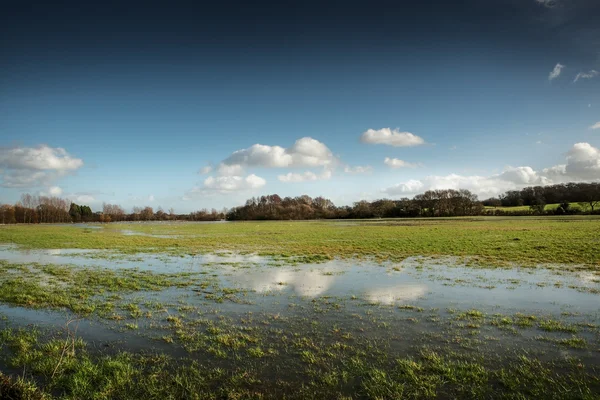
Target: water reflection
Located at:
point(128, 232)
point(311, 283)
point(439, 283)
point(396, 294)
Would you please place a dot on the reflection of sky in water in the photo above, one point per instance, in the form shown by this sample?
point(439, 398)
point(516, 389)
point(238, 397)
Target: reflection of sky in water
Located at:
point(419, 281)
point(334, 278)
point(128, 232)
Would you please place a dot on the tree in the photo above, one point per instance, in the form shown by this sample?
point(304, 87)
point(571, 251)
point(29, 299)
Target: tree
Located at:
point(591, 194)
point(538, 204)
point(147, 214)
point(75, 212)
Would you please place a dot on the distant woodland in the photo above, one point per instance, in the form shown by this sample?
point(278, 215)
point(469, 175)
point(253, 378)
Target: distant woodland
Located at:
point(569, 198)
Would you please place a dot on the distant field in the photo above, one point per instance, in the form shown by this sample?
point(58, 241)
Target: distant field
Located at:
point(527, 240)
point(554, 206)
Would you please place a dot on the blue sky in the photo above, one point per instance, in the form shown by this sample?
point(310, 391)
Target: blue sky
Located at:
point(141, 99)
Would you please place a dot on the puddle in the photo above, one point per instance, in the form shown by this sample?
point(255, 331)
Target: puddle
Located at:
point(129, 232)
point(83, 225)
point(427, 283)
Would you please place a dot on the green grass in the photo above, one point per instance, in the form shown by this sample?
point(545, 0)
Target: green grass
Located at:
point(524, 240)
point(325, 373)
point(324, 347)
point(549, 207)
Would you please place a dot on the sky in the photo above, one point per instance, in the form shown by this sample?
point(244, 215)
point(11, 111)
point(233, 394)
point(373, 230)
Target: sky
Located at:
point(191, 106)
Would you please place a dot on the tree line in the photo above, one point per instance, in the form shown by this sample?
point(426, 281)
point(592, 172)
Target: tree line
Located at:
point(587, 195)
point(32, 209)
point(432, 203)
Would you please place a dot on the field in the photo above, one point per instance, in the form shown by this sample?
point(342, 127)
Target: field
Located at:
point(376, 309)
point(549, 207)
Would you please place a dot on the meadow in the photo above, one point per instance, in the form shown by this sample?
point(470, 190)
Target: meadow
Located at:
point(482, 307)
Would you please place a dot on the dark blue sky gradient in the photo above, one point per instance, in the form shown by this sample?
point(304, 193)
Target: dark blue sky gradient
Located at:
point(131, 88)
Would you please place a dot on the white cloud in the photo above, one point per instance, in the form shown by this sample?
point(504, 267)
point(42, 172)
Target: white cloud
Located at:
point(555, 73)
point(294, 177)
point(34, 166)
point(391, 137)
point(556, 171)
point(55, 191)
point(205, 170)
point(397, 163)
point(359, 169)
point(305, 152)
point(582, 164)
point(519, 175)
point(226, 185)
point(38, 158)
point(596, 125)
point(84, 199)
point(410, 187)
point(586, 75)
point(230, 170)
point(151, 197)
point(307, 176)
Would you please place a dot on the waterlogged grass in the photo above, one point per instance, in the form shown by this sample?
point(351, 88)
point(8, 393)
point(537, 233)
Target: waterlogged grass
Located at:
point(80, 290)
point(68, 369)
point(189, 335)
point(524, 240)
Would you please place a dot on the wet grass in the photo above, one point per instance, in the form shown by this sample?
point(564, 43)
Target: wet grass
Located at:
point(524, 240)
point(340, 371)
point(80, 290)
point(190, 335)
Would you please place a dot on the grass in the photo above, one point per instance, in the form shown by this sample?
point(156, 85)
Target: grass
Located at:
point(202, 339)
point(79, 289)
point(524, 240)
point(549, 207)
point(347, 374)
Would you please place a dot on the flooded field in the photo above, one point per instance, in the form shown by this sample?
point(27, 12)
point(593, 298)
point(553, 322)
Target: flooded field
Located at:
point(244, 324)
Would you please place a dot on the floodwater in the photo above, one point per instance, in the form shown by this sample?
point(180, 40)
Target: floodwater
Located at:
point(439, 283)
point(335, 292)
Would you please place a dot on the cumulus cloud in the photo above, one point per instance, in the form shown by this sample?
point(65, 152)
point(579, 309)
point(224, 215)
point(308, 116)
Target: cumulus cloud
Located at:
point(410, 187)
point(34, 166)
point(234, 183)
point(55, 191)
point(358, 169)
point(596, 125)
point(582, 164)
point(555, 73)
point(230, 170)
point(397, 163)
point(391, 137)
point(82, 198)
point(586, 75)
point(226, 185)
point(205, 170)
point(520, 175)
point(304, 177)
point(305, 152)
